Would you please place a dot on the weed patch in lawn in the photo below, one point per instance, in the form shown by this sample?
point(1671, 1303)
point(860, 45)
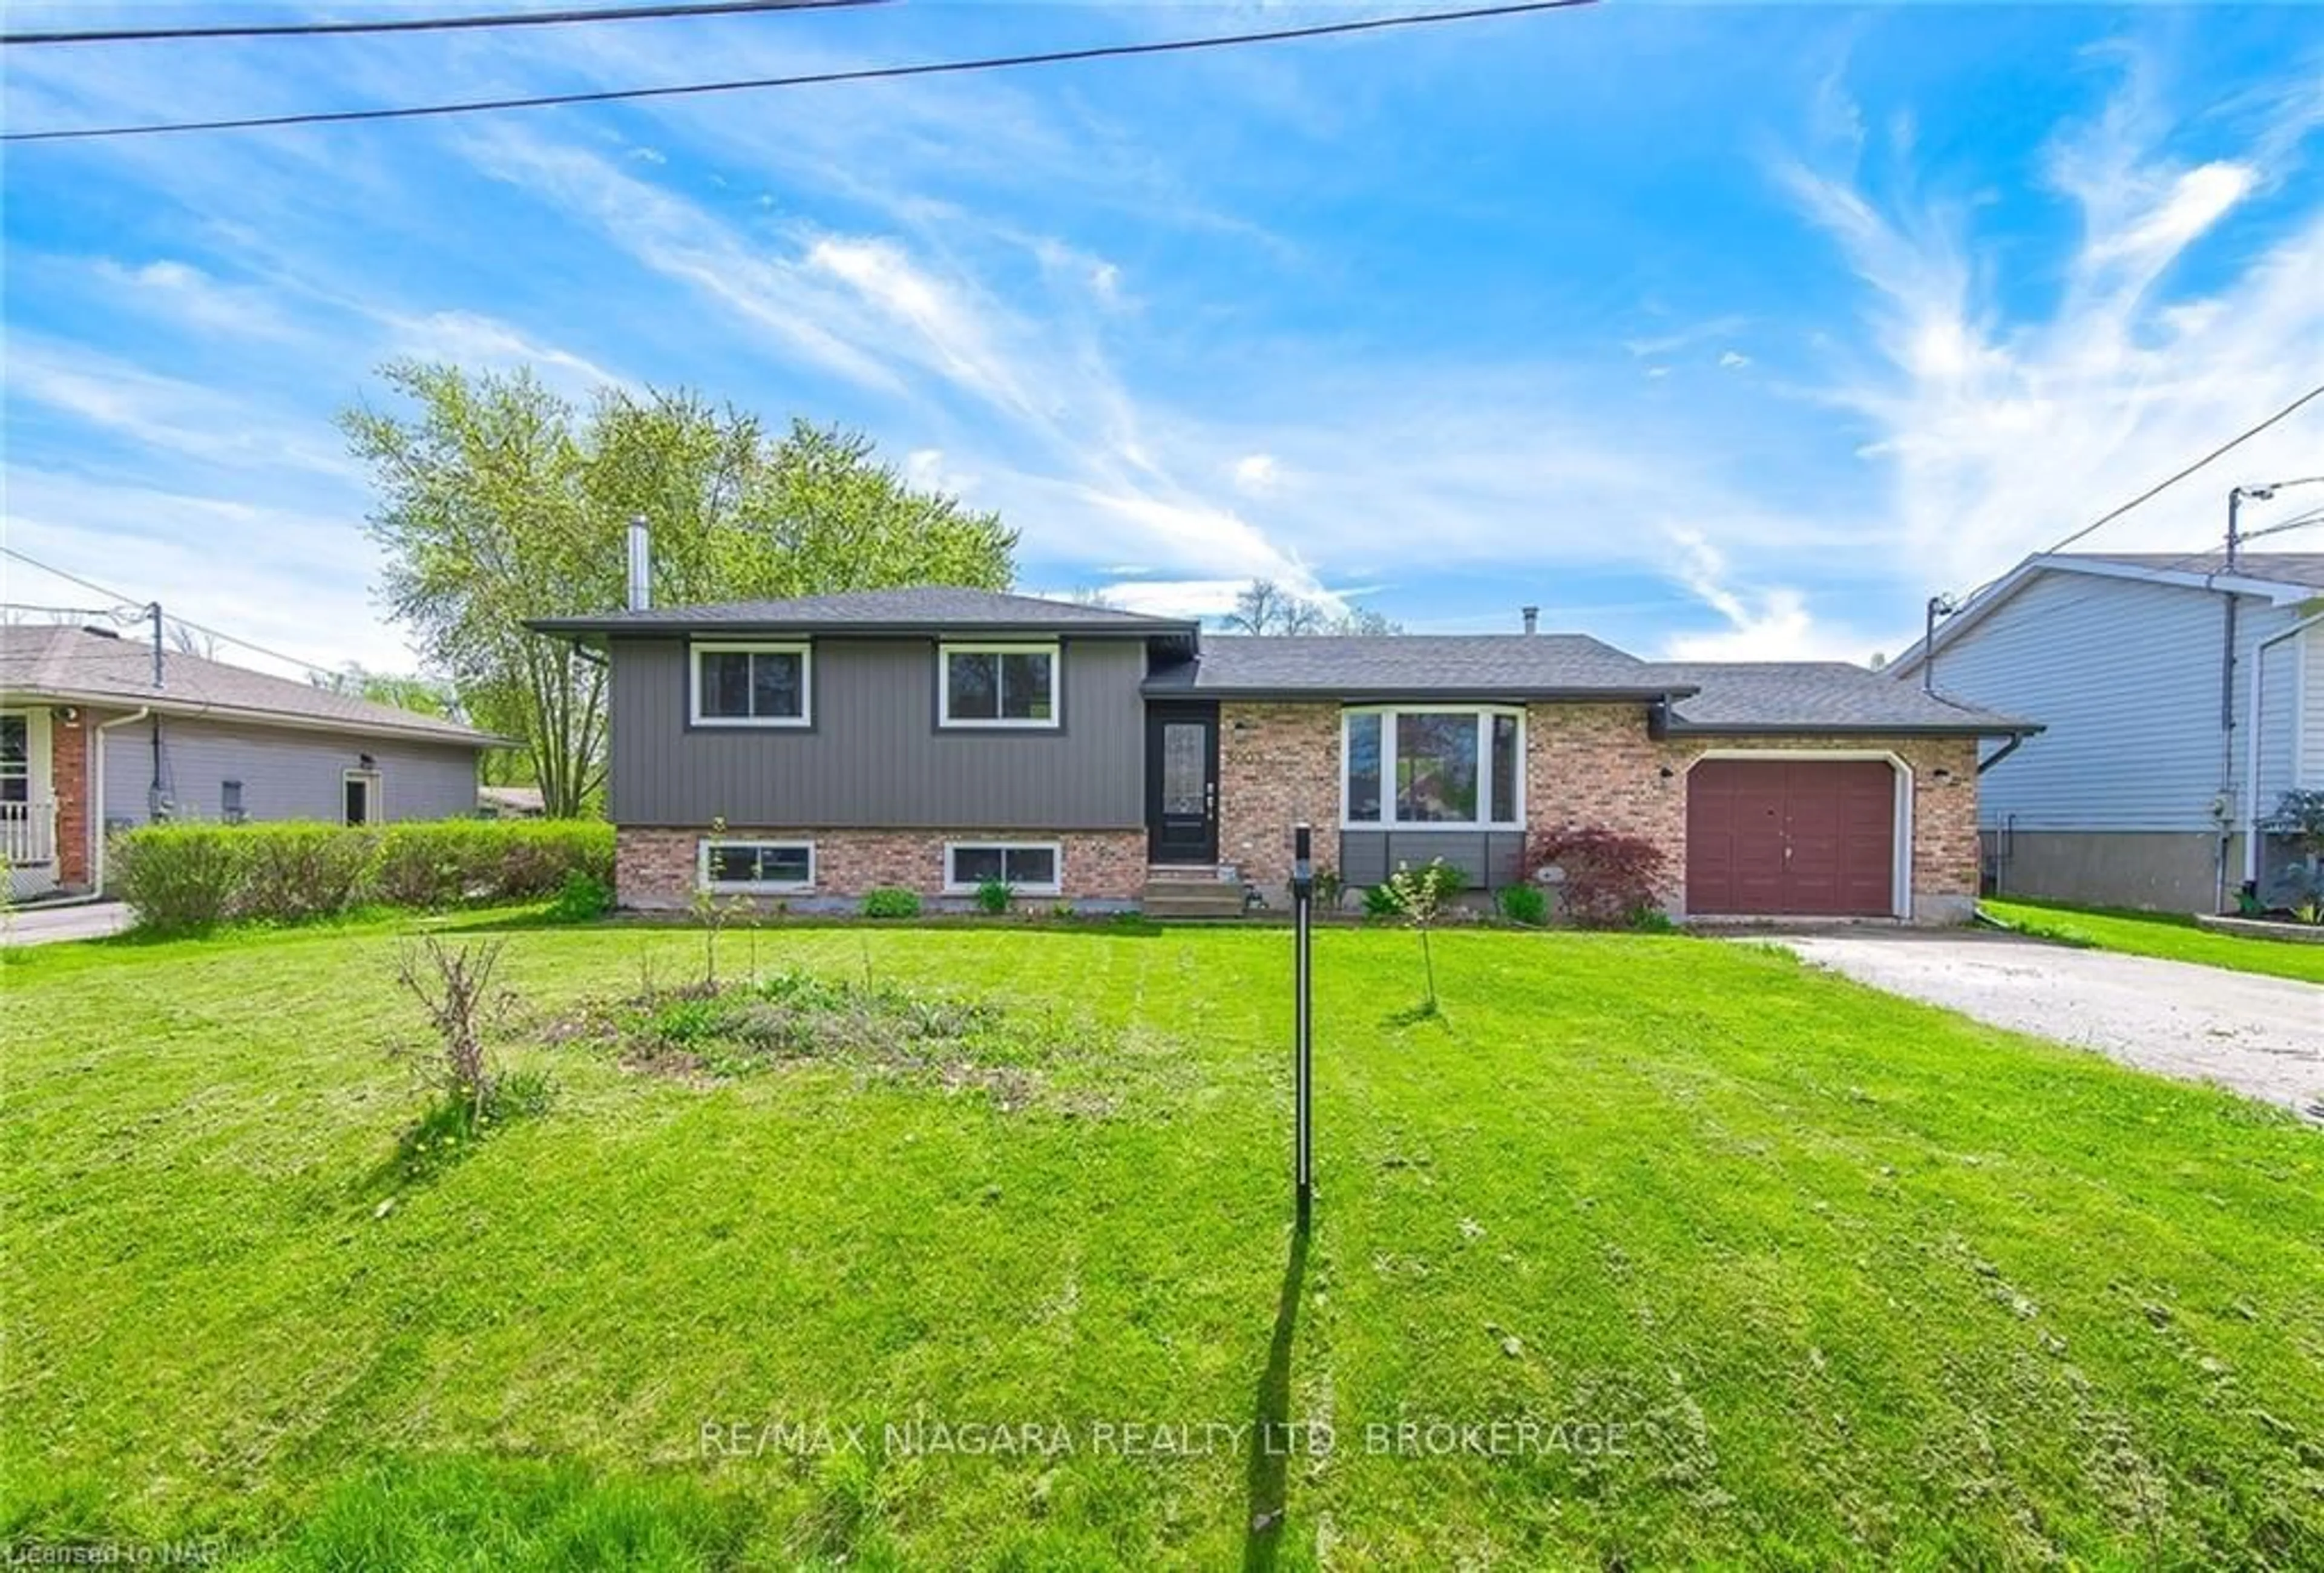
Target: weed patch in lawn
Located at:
point(713, 1032)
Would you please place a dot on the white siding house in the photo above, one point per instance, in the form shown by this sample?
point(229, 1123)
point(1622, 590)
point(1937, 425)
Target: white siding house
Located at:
point(2153, 766)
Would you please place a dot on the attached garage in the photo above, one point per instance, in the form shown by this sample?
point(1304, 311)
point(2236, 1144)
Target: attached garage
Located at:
point(1795, 837)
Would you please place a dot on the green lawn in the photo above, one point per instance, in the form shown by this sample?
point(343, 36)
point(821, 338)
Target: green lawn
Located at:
point(2172, 937)
point(1750, 1263)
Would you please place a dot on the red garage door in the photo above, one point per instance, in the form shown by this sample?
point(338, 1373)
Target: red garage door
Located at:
point(1777, 837)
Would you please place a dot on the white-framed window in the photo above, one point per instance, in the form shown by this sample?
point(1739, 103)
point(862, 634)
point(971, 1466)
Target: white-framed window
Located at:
point(16, 757)
point(1447, 766)
point(756, 867)
point(997, 685)
point(736, 683)
point(1033, 868)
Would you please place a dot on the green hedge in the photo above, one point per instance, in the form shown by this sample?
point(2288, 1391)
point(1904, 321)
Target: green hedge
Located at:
point(194, 875)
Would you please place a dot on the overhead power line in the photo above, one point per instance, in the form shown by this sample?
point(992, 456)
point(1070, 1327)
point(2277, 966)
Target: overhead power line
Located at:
point(2229, 446)
point(219, 634)
point(2189, 559)
point(428, 23)
point(807, 80)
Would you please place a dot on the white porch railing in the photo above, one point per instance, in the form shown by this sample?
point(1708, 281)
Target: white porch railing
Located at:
point(28, 834)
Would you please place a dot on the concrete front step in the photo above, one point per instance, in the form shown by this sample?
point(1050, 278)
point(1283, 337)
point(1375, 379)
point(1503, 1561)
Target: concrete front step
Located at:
point(1191, 893)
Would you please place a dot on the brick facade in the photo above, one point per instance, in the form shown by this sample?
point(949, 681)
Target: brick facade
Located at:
point(654, 870)
point(69, 750)
point(1585, 764)
point(1595, 764)
point(1278, 763)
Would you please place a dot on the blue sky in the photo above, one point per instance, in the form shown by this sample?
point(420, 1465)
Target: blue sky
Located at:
point(1717, 331)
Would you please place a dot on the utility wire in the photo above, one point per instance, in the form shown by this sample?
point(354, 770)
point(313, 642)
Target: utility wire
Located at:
point(808, 80)
point(219, 634)
point(2160, 487)
point(2300, 523)
point(428, 23)
point(1923, 649)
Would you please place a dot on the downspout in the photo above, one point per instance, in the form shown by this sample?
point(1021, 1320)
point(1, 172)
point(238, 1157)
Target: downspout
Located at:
point(2251, 746)
point(97, 792)
point(2016, 740)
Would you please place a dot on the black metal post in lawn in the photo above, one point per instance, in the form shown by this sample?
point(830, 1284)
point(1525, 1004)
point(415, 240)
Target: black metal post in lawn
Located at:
point(1303, 1075)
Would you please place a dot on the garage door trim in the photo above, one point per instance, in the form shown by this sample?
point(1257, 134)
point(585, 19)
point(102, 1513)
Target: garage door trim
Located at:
point(1900, 876)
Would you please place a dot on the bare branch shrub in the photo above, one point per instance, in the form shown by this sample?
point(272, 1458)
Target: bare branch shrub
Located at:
point(453, 985)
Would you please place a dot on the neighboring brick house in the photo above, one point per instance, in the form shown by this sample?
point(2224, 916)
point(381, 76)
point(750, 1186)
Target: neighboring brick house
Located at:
point(810, 750)
point(94, 738)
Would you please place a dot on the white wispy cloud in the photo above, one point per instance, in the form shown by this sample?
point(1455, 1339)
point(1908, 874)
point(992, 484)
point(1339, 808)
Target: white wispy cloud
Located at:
point(1996, 431)
point(1768, 623)
point(168, 414)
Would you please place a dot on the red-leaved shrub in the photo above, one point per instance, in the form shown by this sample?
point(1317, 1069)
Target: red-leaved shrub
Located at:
point(1611, 879)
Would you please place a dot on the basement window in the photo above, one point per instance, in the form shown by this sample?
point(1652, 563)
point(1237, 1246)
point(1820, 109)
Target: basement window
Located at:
point(757, 867)
point(1030, 867)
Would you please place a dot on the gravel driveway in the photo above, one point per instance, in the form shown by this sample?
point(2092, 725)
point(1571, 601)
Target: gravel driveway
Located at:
point(2260, 1036)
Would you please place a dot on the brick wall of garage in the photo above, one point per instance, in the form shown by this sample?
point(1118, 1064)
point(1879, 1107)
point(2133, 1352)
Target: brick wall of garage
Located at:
point(1585, 766)
point(1596, 764)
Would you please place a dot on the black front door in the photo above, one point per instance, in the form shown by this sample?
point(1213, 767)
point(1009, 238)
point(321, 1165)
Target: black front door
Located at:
point(1181, 783)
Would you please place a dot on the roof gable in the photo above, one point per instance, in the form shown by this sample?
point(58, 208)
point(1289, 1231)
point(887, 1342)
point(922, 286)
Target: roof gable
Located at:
point(2279, 577)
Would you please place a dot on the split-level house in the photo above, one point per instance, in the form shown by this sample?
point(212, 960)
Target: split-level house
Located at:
point(811, 750)
point(100, 734)
point(2181, 695)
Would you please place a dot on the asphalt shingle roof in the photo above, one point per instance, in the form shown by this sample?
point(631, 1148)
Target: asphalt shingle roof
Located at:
point(1739, 697)
point(75, 665)
point(1817, 696)
point(2290, 568)
point(1394, 665)
point(1706, 696)
point(908, 609)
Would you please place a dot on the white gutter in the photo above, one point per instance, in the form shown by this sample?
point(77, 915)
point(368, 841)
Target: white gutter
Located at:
point(2251, 743)
point(97, 793)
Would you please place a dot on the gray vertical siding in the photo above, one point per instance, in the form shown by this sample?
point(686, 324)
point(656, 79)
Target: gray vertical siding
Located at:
point(1491, 858)
point(875, 756)
point(286, 773)
point(2125, 675)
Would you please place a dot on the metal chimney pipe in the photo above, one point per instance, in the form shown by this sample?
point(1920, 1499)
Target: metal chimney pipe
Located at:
point(640, 565)
point(1532, 617)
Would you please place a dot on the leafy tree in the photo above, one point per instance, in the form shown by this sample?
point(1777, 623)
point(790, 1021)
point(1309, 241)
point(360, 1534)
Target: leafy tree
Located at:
point(421, 695)
point(498, 500)
point(1264, 606)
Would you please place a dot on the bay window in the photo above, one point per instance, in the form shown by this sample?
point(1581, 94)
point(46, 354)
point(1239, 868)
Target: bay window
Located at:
point(1432, 765)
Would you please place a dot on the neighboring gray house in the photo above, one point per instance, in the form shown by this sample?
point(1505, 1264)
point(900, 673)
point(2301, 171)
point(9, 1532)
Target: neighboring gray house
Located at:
point(811, 750)
point(89, 744)
point(2164, 741)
